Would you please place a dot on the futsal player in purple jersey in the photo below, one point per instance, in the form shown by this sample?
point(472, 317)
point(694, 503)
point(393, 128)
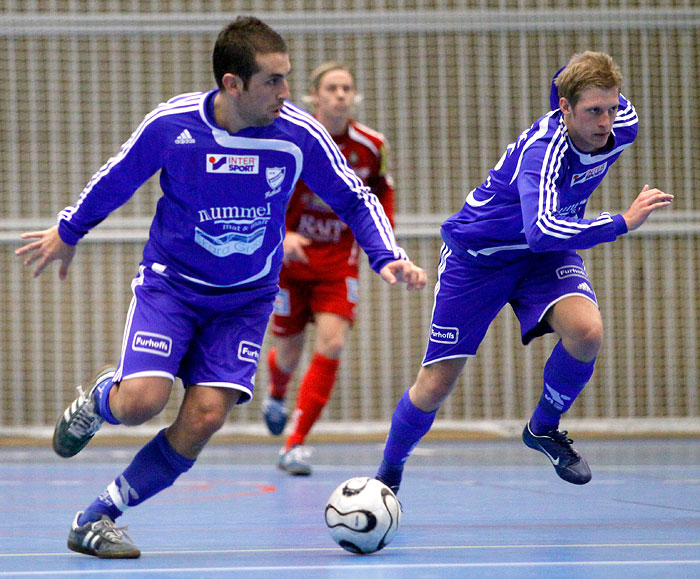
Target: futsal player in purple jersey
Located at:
point(229, 160)
point(515, 242)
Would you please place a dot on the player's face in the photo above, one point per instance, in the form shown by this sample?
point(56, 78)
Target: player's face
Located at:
point(590, 122)
point(335, 96)
point(259, 105)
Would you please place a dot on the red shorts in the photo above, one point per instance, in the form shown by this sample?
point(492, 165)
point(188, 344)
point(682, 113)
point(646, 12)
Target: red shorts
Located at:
point(299, 300)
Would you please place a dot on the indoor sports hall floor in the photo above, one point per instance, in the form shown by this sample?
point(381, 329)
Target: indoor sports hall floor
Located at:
point(471, 509)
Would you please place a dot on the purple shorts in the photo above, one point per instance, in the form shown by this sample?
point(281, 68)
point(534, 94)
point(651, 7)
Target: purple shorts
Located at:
point(206, 336)
point(469, 295)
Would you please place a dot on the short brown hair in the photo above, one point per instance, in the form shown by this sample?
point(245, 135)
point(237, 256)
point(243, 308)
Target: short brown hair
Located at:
point(239, 43)
point(585, 70)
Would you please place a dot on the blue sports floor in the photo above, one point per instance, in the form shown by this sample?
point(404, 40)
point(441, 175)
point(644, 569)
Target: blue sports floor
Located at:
point(471, 509)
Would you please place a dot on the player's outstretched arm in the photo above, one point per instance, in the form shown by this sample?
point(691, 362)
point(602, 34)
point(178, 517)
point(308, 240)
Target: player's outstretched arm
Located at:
point(403, 270)
point(48, 247)
point(647, 201)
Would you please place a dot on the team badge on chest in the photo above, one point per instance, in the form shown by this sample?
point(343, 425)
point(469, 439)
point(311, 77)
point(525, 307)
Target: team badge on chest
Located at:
point(275, 176)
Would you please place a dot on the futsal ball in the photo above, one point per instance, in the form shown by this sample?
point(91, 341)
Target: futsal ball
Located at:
point(363, 515)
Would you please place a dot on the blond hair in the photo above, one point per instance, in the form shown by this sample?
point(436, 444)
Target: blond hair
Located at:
point(322, 70)
point(585, 70)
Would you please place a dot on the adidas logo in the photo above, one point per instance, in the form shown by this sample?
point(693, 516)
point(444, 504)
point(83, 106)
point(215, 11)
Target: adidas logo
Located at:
point(584, 287)
point(184, 138)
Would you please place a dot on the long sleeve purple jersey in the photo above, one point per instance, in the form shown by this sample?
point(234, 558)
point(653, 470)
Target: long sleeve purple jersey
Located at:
point(535, 198)
point(221, 218)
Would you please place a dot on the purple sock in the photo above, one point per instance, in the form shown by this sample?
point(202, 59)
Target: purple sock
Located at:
point(101, 397)
point(408, 425)
point(154, 468)
point(564, 379)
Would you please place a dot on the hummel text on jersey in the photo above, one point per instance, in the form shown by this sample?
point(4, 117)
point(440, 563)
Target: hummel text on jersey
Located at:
point(234, 212)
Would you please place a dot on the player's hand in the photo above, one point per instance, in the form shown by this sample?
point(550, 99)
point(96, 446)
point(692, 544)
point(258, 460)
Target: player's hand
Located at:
point(403, 270)
point(293, 246)
point(647, 201)
point(48, 247)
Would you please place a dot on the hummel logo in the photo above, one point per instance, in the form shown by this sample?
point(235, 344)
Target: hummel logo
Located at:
point(555, 398)
point(185, 138)
point(126, 490)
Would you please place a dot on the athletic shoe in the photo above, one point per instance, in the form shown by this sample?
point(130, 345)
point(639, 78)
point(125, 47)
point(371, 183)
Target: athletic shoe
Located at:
point(294, 461)
point(80, 421)
point(275, 413)
point(555, 445)
point(102, 539)
point(390, 476)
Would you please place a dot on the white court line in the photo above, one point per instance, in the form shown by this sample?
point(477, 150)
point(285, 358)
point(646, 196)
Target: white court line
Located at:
point(417, 548)
point(350, 568)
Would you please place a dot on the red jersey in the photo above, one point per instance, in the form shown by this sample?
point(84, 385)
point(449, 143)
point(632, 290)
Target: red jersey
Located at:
point(333, 248)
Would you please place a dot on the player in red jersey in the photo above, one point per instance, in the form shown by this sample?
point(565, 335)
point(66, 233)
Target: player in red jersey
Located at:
point(319, 280)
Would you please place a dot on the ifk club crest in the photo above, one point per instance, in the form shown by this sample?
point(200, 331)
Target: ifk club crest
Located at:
point(275, 176)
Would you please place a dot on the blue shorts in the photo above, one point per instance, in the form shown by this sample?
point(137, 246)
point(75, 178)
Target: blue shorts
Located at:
point(206, 336)
point(469, 295)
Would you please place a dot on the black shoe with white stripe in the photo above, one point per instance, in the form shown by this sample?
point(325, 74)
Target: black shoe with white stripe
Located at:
point(80, 421)
point(101, 539)
point(557, 447)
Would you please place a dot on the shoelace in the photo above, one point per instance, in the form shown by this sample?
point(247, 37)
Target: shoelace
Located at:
point(565, 442)
point(85, 421)
point(110, 532)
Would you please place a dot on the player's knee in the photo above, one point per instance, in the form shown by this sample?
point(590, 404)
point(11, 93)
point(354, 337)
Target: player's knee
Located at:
point(288, 353)
point(331, 348)
point(132, 411)
point(209, 422)
point(431, 388)
point(205, 419)
point(586, 340)
point(137, 400)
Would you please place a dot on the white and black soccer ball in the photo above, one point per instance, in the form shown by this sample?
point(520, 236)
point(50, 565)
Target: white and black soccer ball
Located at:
point(363, 515)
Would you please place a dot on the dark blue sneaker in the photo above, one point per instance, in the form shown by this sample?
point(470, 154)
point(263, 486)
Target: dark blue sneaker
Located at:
point(275, 413)
point(556, 446)
point(390, 476)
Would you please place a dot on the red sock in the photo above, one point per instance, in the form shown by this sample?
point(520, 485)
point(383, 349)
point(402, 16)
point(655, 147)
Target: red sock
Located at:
point(278, 379)
point(314, 392)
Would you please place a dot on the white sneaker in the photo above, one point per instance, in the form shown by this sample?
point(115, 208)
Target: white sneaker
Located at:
point(294, 461)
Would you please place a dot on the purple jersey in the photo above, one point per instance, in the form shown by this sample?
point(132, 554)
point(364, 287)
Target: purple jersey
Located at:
point(221, 219)
point(534, 199)
point(516, 237)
